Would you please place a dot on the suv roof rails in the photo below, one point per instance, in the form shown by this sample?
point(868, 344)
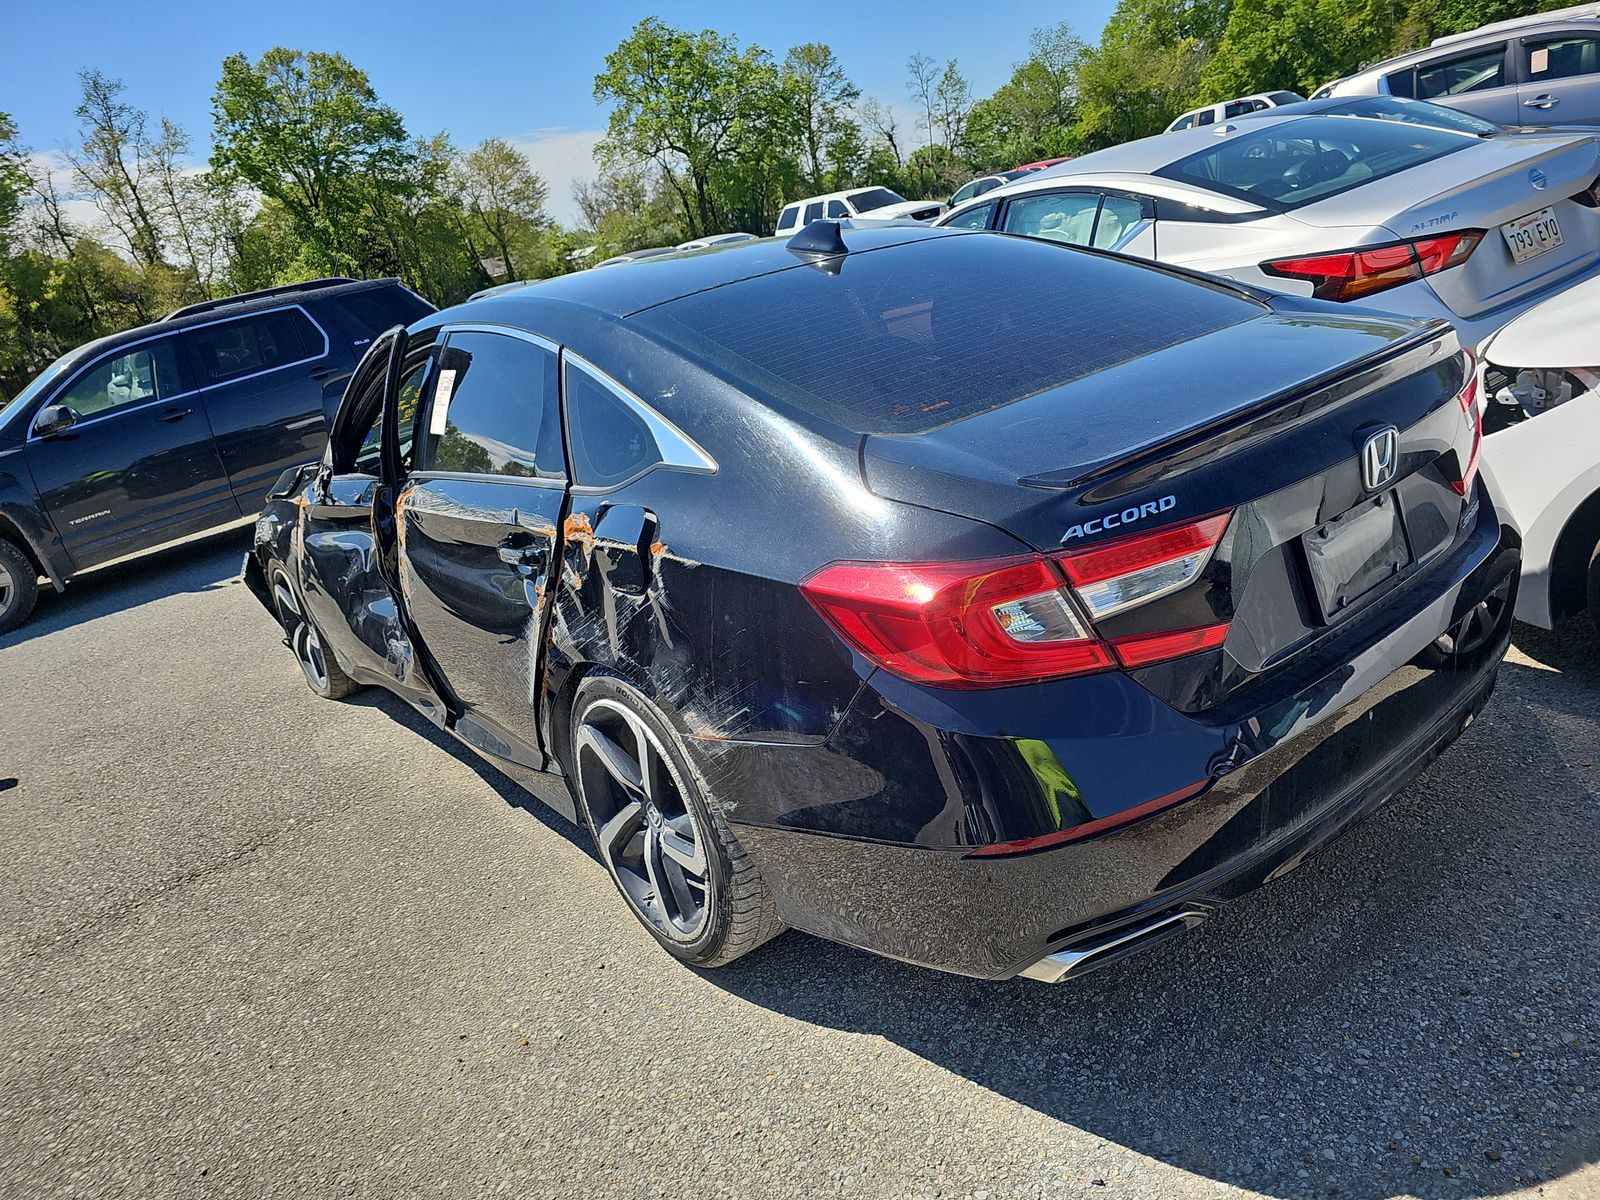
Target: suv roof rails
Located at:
point(284, 289)
point(1559, 14)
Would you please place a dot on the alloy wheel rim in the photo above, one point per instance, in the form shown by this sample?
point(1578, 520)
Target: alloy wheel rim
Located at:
point(8, 590)
point(1475, 629)
point(299, 634)
point(646, 830)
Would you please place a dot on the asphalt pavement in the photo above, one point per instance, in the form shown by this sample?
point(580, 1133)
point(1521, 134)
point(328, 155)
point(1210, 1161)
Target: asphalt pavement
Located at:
point(253, 943)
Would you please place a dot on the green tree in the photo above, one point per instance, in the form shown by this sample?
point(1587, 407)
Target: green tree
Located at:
point(822, 96)
point(504, 197)
point(696, 106)
point(1033, 115)
point(306, 130)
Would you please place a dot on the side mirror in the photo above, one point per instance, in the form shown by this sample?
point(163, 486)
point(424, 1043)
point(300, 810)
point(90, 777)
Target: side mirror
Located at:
point(54, 420)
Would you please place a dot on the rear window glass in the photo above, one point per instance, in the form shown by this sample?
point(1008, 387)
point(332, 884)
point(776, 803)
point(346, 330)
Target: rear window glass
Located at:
point(377, 309)
point(874, 198)
point(1297, 162)
point(1413, 112)
point(918, 335)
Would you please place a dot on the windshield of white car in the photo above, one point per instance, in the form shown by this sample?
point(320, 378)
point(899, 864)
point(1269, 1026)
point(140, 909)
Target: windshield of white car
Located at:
point(874, 198)
point(1414, 112)
point(1295, 163)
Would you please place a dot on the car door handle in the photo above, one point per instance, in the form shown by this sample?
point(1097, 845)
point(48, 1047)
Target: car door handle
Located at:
point(324, 376)
point(530, 559)
point(175, 414)
point(1542, 102)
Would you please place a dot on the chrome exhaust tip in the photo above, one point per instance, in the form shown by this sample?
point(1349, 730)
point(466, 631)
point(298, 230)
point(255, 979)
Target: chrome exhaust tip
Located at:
point(1053, 968)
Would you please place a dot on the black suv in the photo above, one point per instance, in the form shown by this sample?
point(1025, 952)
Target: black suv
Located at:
point(171, 429)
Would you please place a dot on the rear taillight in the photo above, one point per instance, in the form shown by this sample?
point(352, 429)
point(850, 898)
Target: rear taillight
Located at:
point(1467, 397)
point(1015, 620)
point(1351, 274)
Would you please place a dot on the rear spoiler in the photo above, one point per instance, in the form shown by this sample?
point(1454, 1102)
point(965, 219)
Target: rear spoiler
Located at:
point(1165, 459)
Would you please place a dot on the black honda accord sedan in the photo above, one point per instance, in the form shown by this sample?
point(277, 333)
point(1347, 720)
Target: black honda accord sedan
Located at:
point(995, 605)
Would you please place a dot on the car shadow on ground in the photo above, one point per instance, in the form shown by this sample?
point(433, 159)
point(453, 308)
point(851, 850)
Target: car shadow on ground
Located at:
point(197, 564)
point(1411, 1013)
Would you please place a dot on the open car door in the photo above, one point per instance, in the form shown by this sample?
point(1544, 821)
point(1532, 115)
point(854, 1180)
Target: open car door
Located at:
point(342, 576)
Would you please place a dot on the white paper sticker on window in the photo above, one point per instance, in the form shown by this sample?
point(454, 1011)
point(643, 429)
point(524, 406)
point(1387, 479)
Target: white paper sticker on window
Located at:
point(441, 403)
point(1539, 62)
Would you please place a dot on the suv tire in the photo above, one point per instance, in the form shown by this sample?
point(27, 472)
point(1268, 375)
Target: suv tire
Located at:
point(19, 585)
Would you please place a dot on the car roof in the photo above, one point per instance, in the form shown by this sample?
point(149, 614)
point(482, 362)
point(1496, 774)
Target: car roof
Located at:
point(855, 191)
point(653, 281)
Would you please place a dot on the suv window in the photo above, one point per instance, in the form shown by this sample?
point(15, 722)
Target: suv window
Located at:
point(488, 411)
point(1562, 57)
point(254, 344)
point(1459, 76)
point(814, 212)
point(836, 209)
point(976, 217)
point(142, 374)
point(373, 310)
point(1183, 122)
point(610, 442)
point(1056, 216)
point(789, 216)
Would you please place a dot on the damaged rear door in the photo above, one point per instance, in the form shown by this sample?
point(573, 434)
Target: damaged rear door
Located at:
point(477, 522)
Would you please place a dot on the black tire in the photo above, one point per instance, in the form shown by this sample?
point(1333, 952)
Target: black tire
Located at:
point(1594, 589)
point(19, 585)
point(650, 854)
point(323, 674)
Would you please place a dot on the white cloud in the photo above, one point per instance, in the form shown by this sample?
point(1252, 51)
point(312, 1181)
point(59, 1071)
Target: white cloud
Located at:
point(562, 157)
point(79, 213)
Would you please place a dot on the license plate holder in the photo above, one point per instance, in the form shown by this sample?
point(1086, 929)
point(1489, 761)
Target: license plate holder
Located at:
point(1355, 552)
point(1532, 235)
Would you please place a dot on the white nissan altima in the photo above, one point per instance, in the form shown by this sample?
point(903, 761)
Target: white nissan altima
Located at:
point(1382, 210)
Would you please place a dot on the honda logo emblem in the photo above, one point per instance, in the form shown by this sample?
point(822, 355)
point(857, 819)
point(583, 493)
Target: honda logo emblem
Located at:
point(1380, 458)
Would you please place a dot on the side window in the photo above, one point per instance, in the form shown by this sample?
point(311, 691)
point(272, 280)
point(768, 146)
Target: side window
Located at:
point(1057, 217)
point(1118, 215)
point(1460, 76)
point(372, 310)
point(1401, 83)
point(142, 374)
point(813, 212)
point(250, 345)
point(789, 218)
point(976, 217)
point(1183, 122)
point(1562, 58)
point(488, 415)
point(610, 443)
point(1205, 116)
point(836, 209)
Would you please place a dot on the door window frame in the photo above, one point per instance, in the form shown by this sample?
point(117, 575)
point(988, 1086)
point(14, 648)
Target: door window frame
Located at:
point(675, 450)
point(552, 409)
point(194, 356)
point(61, 389)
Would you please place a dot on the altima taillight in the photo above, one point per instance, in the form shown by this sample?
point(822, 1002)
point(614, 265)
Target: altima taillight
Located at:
point(1351, 274)
point(1001, 622)
point(1468, 399)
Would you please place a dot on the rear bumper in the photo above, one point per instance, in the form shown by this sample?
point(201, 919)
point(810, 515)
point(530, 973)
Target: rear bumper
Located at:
point(1420, 300)
point(1284, 782)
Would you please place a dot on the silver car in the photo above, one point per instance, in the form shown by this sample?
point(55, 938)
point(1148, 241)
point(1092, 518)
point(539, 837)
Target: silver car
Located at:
point(1542, 69)
point(1390, 214)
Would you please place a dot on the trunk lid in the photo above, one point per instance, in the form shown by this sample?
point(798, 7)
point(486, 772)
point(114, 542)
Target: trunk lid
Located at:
point(1266, 420)
point(1483, 187)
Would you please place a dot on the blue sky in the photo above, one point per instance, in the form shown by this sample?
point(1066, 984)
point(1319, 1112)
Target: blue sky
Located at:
point(525, 73)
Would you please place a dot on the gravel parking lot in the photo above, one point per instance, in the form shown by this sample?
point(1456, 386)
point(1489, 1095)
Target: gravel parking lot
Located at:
point(259, 944)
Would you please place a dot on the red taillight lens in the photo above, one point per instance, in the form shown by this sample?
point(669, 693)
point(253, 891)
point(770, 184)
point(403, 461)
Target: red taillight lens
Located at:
point(1011, 621)
point(1468, 399)
point(1350, 274)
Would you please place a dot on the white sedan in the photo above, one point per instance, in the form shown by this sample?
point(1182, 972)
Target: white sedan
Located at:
point(1379, 210)
point(1539, 392)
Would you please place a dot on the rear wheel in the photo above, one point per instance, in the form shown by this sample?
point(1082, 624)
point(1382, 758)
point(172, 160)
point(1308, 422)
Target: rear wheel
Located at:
point(19, 586)
point(1594, 588)
point(660, 833)
point(300, 634)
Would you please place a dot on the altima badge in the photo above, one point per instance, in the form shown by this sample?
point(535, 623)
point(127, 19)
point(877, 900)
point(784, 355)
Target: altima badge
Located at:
point(1380, 458)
